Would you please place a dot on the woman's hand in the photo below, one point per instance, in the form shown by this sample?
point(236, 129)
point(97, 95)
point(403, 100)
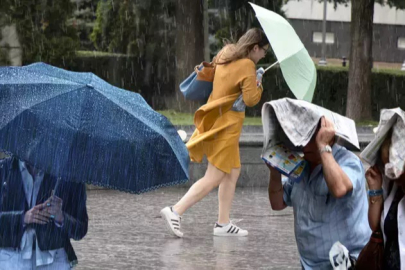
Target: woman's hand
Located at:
point(259, 76)
point(37, 215)
point(374, 178)
point(54, 208)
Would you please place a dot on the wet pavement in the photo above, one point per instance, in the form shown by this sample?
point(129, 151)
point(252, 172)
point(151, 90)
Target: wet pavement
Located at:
point(126, 232)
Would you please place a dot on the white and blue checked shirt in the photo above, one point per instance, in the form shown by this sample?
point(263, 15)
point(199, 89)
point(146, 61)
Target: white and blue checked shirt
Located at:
point(320, 219)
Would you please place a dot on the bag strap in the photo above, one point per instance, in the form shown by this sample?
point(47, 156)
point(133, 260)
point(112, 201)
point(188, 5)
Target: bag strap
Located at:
point(212, 64)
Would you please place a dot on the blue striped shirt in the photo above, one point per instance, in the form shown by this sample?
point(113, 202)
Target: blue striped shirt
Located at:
point(320, 219)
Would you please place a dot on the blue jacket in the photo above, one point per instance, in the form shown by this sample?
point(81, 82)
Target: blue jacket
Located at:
point(13, 206)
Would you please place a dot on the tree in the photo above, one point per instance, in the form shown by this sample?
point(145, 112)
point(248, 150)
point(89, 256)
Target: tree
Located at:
point(42, 29)
point(146, 31)
point(359, 90)
point(358, 106)
point(236, 17)
point(83, 20)
point(189, 45)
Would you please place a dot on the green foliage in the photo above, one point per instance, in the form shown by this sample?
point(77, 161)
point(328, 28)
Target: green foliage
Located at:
point(331, 89)
point(182, 119)
point(135, 27)
point(83, 19)
point(42, 29)
point(102, 27)
point(233, 22)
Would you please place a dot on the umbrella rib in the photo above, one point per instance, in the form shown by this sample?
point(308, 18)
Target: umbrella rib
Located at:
point(144, 121)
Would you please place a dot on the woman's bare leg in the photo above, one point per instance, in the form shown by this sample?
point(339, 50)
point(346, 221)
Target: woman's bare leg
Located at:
point(225, 195)
point(200, 189)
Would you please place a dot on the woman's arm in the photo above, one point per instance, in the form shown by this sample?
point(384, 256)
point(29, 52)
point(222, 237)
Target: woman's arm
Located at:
point(376, 203)
point(251, 92)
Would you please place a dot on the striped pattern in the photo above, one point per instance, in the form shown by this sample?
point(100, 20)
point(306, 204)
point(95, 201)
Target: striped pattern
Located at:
point(176, 223)
point(321, 220)
point(231, 230)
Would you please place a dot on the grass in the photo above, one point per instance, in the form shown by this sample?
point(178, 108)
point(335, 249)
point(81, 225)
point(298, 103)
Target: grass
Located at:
point(184, 119)
point(367, 123)
point(178, 118)
point(98, 54)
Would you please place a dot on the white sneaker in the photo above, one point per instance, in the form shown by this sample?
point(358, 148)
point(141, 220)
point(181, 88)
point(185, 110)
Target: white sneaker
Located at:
point(172, 221)
point(229, 230)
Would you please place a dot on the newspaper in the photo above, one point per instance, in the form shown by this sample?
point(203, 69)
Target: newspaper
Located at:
point(390, 119)
point(281, 158)
point(295, 132)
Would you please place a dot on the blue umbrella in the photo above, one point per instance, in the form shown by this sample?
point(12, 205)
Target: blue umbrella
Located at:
point(80, 128)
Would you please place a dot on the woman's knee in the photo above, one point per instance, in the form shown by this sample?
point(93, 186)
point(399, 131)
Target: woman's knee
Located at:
point(214, 175)
point(235, 173)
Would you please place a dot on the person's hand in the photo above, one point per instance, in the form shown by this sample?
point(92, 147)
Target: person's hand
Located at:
point(37, 215)
point(374, 178)
point(273, 171)
point(271, 168)
point(259, 75)
point(325, 134)
point(54, 208)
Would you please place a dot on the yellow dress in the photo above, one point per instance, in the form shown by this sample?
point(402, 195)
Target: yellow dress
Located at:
point(218, 127)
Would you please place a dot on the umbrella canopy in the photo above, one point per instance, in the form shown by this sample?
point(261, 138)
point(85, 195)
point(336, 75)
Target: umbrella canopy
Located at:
point(80, 128)
point(296, 65)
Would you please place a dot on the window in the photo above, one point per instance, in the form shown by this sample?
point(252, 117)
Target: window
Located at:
point(401, 43)
point(317, 38)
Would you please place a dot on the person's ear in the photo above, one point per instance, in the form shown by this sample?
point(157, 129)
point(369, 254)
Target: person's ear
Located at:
point(256, 48)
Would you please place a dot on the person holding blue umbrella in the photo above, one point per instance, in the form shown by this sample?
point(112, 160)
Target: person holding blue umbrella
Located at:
point(218, 127)
point(37, 221)
point(77, 127)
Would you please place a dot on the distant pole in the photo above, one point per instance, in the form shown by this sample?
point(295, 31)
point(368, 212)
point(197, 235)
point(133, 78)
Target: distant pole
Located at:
point(323, 62)
point(206, 41)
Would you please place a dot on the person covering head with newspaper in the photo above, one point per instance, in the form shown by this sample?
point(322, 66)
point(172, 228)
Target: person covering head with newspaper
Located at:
point(329, 200)
point(386, 182)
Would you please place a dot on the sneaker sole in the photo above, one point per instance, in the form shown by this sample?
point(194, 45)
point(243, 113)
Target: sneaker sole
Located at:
point(230, 235)
point(167, 223)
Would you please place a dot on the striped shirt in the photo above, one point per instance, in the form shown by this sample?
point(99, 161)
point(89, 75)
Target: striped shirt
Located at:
point(320, 220)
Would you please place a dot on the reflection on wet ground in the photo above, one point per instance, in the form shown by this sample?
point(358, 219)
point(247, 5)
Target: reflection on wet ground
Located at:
point(126, 232)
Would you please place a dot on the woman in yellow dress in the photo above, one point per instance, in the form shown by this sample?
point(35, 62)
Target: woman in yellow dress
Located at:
point(218, 127)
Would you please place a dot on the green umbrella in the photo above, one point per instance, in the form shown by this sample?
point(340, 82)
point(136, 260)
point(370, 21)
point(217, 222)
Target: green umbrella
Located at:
point(296, 65)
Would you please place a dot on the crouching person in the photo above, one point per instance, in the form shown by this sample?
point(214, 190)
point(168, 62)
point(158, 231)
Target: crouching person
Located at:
point(329, 202)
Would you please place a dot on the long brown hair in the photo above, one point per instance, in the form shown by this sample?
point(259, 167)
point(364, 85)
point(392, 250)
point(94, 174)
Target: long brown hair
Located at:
point(241, 49)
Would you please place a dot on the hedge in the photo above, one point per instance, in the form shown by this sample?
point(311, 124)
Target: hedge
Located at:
point(388, 89)
point(331, 89)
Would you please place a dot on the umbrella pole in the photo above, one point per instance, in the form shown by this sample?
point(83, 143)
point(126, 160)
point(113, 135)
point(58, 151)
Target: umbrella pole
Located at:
point(271, 66)
point(56, 187)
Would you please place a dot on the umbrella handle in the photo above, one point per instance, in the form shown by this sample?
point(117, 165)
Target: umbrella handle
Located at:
point(56, 186)
point(271, 66)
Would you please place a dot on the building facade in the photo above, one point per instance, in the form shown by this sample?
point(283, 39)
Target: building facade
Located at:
point(306, 16)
